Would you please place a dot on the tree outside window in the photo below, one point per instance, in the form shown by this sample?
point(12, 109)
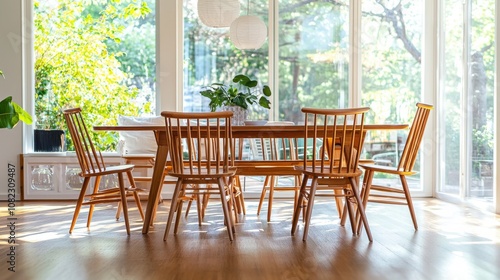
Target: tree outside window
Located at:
point(87, 55)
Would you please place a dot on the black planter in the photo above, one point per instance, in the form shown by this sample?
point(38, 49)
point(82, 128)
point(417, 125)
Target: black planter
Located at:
point(49, 140)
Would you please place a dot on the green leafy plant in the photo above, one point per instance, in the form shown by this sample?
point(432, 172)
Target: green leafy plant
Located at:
point(11, 113)
point(242, 93)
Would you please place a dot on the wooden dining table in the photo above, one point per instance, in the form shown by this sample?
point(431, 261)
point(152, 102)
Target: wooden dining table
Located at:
point(244, 167)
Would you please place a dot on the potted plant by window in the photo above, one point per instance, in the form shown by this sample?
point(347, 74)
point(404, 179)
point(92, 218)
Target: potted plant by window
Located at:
point(49, 133)
point(237, 97)
point(11, 113)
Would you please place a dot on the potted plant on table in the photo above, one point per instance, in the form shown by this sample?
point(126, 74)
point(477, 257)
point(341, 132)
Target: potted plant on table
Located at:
point(237, 97)
point(11, 113)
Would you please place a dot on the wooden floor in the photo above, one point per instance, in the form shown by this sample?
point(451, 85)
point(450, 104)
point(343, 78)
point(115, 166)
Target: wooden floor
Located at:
point(453, 242)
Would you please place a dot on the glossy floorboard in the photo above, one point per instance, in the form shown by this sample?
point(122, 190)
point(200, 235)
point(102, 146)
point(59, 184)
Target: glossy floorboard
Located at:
point(453, 242)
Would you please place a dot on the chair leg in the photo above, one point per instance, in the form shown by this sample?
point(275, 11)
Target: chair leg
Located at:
point(206, 197)
point(240, 198)
point(179, 215)
point(160, 200)
point(180, 206)
point(173, 207)
point(199, 207)
point(299, 206)
point(310, 205)
point(121, 183)
point(350, 211)
point(263, 194)
point(188, 207)
point(361, 208)
point(242, 202)
point(139, 206)
point(225, 208)
point(409, 201)
point(271, 196)
point(365, 193)
point(338, 202)
point(343, 217)
point(92, 206)
point(79, 203)
point(233, 204)
point(297, 183)
point(134, 193)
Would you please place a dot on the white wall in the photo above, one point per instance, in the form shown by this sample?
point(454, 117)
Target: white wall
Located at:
point(11, 64)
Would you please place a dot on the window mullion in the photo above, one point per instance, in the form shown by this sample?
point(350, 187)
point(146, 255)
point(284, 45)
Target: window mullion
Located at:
point(355, 53)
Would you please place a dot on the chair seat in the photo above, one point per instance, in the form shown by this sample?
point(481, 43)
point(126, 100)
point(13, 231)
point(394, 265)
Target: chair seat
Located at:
point(109, 170)
point(387, 169)
point(320, 173)
point(204, 174)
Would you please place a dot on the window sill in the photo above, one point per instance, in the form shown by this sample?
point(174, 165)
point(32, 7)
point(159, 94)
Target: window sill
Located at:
point(67, 154)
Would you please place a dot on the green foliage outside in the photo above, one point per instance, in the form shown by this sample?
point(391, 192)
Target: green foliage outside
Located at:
point(75, 67)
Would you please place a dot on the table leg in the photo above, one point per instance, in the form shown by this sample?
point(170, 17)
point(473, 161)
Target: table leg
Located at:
point(156, 185)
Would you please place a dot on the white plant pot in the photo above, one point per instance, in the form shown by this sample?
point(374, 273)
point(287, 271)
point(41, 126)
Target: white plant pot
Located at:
point(239, 114)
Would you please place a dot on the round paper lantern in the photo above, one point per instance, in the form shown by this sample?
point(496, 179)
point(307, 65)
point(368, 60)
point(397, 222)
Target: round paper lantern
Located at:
point(218, 13)
point(248, 32)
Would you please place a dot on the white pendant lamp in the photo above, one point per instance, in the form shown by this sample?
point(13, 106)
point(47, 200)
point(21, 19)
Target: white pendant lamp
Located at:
point(218, 13)
point(248, 32)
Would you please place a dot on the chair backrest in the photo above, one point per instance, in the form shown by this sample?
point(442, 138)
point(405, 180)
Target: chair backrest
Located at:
point(279, 148)
point(410, 151)
point(333, 139)
point(89, 158)
point(199, 140)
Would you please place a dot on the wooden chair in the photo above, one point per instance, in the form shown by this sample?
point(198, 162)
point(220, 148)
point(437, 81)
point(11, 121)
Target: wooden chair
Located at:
point(198, 167)
point(93, 166)
point(275, 149)
point(398, 195)
point(332, 147)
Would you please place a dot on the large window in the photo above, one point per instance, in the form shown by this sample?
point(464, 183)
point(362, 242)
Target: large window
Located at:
point(97, 55)
point(210, 57)
point(312, 54)
point(391, 65)
point(310, 65)
point(467, 94)
point(318, 53)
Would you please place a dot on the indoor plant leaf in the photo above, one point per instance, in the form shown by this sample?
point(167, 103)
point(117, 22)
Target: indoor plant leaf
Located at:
point(11, 114)
point(243, 94)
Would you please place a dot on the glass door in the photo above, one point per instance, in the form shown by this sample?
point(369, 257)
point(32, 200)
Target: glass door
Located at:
point(467, 101)
point(391, 69)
